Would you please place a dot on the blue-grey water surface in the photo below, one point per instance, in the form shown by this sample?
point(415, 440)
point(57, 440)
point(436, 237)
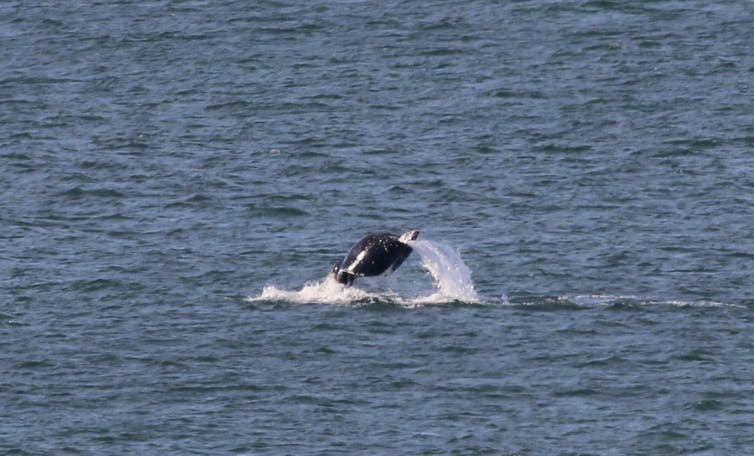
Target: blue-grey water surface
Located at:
point(162, 162)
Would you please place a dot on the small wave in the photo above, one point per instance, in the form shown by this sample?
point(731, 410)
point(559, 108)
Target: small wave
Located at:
point(616, 300)
point(701, 303)
point(592, 301)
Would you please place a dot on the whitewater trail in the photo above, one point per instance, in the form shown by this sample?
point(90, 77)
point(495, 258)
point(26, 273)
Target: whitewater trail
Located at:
point(451, 282)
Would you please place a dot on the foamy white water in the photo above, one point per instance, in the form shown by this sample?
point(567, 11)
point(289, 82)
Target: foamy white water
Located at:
point(451, 280)
point(326, 291)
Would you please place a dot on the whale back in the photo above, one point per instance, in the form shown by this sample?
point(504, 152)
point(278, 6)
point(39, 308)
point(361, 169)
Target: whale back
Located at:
point(374, 255)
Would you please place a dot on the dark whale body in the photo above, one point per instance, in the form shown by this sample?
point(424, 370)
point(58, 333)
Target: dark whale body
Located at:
point(374, 255)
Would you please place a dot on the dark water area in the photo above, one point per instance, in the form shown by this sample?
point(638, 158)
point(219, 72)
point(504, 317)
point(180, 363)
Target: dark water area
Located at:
point(177, 178)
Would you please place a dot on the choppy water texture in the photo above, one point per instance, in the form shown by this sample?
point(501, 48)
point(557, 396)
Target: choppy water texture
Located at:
point(178, 177)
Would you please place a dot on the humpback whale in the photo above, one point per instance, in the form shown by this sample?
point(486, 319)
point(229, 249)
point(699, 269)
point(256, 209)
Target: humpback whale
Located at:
point(373, 255)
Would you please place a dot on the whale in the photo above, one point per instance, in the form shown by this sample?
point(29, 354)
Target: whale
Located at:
point(374, 255)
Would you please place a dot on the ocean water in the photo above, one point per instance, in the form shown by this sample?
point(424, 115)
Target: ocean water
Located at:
point(177, 179)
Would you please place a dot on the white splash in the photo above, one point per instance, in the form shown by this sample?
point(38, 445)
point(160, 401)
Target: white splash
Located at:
point(326, 291)
point(452, 282)
point(452, 276)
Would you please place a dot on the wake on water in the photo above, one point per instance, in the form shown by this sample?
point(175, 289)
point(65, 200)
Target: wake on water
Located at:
point(451, 281)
